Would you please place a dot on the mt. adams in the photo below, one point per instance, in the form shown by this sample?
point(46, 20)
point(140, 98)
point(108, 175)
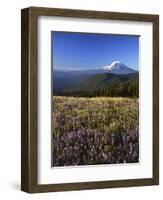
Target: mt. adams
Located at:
point(118, 67)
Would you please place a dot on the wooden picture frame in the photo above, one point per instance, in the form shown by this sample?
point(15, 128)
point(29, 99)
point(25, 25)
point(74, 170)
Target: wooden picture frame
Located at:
point(29, 110)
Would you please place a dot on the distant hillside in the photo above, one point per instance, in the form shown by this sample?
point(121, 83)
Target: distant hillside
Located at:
point(100, 81)
point(63, 80)
point(103, 84)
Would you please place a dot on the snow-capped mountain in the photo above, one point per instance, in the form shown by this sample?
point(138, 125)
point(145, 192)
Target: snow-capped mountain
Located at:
point(118, 67)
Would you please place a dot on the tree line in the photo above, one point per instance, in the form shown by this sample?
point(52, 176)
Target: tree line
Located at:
point(120, 89)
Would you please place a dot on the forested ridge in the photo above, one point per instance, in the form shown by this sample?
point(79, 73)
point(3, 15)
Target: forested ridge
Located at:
point(107, 85)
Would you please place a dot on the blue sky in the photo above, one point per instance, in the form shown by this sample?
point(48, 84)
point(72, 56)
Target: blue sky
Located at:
point(82, 51)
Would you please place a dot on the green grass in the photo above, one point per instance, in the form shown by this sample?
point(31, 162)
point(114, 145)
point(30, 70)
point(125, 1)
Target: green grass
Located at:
point(104, 114)
point(90, 131)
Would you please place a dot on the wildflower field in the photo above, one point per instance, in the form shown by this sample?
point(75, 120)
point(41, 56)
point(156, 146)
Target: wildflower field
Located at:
point(91, 131)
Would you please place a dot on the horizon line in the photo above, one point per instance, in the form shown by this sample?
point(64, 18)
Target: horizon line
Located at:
point(88, 69)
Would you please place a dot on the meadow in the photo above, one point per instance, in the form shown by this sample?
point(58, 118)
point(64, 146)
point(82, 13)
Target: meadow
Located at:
point(92, 131)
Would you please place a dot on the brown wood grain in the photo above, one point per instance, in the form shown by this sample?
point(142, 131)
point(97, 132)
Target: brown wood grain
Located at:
point(29, 86)
point(156, 100)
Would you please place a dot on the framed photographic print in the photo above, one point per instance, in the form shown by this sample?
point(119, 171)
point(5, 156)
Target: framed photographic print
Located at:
point(90, 99)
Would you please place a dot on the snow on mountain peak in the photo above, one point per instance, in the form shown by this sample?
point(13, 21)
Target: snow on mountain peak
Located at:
point(118, 67)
